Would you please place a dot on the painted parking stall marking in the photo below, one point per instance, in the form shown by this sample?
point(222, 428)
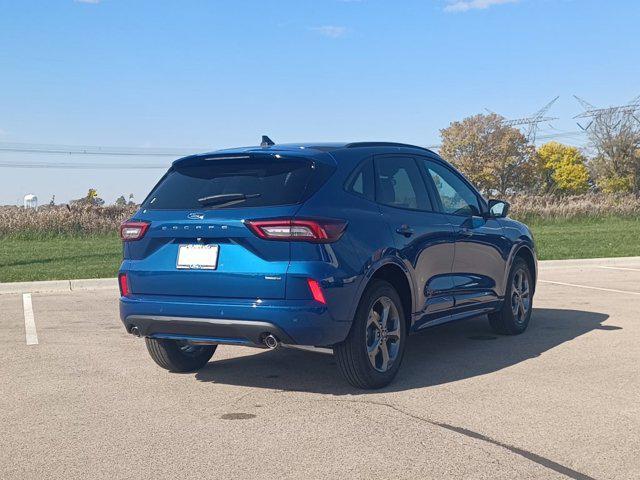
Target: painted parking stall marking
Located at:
point(620, 268)
point(628, 292)
point(29, 321)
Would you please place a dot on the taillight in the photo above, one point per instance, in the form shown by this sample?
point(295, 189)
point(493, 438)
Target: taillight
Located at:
point(124, 284)
point(316, 291)
point(301, 230)
point(130, 231)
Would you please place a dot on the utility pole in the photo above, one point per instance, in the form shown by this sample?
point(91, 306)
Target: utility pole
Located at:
point(533, 122)
point(624, 112)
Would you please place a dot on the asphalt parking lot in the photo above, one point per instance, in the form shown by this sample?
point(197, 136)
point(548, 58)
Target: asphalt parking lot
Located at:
point(560, 401)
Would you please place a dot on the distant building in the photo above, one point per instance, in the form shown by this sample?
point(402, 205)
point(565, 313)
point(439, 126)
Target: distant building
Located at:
point(30, 201)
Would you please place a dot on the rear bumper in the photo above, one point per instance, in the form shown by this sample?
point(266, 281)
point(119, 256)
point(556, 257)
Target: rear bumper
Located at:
point(213, 330)
point(239, 322)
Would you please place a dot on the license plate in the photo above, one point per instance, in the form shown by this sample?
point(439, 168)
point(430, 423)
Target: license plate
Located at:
point(198, 257)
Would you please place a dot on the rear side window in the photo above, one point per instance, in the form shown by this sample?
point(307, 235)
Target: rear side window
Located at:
point(361, 181)
point(233, 183)
point(400, 184)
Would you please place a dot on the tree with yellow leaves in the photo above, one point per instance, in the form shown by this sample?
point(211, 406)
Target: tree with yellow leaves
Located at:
point(562, 169)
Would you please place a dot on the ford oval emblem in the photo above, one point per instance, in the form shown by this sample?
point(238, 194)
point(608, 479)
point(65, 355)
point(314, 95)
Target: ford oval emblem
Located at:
point(196, 216)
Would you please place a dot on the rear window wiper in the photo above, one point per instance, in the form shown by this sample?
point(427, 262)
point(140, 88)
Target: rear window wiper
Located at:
point(226, 199)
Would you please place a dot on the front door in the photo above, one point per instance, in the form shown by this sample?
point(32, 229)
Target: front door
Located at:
point(424, 239)
point(481, 249)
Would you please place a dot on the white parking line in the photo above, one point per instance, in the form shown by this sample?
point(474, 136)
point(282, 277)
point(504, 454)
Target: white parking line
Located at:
point(29, 320)
point(620, 268)
point(590, 287)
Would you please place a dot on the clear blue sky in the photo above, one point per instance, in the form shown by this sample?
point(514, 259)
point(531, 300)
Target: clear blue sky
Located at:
point(213, 74)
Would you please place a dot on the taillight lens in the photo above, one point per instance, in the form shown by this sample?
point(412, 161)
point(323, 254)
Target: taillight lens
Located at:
point(130, 231)
point(301, 230)
point(316, 291)
point(123, 282)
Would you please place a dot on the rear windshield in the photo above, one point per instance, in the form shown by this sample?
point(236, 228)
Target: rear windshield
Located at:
point(233, 183)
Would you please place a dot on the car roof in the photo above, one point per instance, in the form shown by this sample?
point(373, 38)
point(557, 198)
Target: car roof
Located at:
point(310, 149)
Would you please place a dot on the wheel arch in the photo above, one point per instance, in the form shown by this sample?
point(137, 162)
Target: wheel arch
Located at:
point(398, 276)
point(526, 253)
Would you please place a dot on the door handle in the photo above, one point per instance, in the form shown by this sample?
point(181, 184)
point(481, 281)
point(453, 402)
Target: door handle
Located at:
point(405, 230)
point(466, 232)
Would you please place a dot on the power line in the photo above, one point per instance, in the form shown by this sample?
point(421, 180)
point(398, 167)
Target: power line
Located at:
point(97, 150)
point(73, 150)
point(83, 166)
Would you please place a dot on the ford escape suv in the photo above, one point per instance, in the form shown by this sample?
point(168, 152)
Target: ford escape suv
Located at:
point(345, 246)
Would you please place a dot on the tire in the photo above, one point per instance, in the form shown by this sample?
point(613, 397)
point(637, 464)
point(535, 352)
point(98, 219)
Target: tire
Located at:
point(177, 356)
point(514, 316)
point(370, 329)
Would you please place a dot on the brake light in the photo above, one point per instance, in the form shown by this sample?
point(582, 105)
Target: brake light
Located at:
point(130, 231)
point(124, 284)
point(316, 291)
point(301, 230)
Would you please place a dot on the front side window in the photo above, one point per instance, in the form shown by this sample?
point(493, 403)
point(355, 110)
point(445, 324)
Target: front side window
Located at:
point(400, 184)
point(455, 195)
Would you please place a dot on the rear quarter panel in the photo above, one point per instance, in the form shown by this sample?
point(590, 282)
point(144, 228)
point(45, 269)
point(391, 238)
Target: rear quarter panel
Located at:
point(343, 266)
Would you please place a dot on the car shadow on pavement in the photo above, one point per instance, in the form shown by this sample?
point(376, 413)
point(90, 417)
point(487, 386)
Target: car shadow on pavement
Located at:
point(438, 355)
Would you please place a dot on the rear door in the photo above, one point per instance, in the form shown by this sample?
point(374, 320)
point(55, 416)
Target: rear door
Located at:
point(205, 201)
point(423, 238)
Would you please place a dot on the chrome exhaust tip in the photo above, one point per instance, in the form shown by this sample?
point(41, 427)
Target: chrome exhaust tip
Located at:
point(270, 341)
point(135, 331)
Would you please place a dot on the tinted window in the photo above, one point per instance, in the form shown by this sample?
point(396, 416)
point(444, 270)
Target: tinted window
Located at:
point(400, 184)
point(361, 182)
point(456, 196)
point(263, 181)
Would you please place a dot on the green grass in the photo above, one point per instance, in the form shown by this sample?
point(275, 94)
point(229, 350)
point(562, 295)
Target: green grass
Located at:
point(68, 257)
point(62, 257)
point(587, 238)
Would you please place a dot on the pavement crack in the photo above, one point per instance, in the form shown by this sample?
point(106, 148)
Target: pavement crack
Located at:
point(533, 457)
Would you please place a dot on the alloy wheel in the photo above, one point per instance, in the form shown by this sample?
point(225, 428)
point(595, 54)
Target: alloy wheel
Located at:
point(383, 335)
point(520, 296)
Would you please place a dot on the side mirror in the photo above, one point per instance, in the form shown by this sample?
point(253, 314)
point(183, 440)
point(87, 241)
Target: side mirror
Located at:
point(498, 208)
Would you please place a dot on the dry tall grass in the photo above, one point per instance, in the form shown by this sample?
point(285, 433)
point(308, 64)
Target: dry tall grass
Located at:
point(531, 208)
point(87, 220)
point(63, 220)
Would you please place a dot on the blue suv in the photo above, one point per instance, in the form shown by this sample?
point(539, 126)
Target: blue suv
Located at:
point(350, 247)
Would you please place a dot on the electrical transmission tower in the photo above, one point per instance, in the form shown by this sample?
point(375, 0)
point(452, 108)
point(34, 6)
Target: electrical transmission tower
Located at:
point(533, 122)
point(625, 112)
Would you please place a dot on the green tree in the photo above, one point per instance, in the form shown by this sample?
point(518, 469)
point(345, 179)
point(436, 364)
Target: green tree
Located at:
point(121, 201)
point(496, 158)
point(562, 168)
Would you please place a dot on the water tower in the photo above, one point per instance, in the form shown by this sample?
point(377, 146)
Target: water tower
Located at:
point(30, 201)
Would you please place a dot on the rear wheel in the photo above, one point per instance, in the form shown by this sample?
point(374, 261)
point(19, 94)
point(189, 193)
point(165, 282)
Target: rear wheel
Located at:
point(372, 352)
point(179, 356)
point(515, 314)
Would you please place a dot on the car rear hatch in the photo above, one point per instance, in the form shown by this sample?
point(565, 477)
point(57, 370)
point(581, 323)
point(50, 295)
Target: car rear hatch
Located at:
point(197, 243)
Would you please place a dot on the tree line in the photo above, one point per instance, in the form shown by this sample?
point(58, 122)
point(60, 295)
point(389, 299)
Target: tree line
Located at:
point(499, 159)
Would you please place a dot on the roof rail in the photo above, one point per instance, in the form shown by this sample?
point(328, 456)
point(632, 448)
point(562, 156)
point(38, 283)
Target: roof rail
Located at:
point(382, 144)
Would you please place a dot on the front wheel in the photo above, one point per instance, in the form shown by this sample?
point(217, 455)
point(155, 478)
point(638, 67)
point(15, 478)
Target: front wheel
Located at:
point(372, 352)
point(179, 356)
point(513, 318)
